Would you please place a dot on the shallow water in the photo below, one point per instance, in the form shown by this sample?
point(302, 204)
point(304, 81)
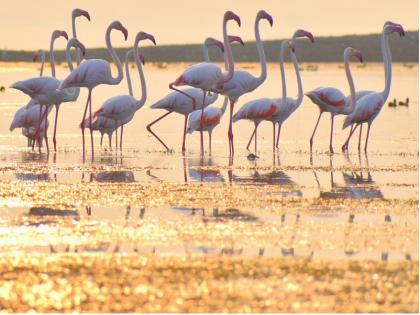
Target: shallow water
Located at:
point(293, 183)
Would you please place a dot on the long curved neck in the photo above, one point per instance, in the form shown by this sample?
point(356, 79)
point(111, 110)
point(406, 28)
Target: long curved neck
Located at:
point(73, 27)
point(114, 56)
point(388, 66)
point(261, 53)
point(350, 107)
point(141, 102)
point(227, 75)
point(282, 72)
point(127, 71)
point(52, 60)
point(41, 72)
point(298, 78)
point(206, 53)
point(73, 92)
point(224, 106)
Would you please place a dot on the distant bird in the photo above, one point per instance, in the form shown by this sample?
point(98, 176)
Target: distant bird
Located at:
point(332, 100)
point(211, 118)
point(384, 43)
point(393, 103)
point(285, 106)
point(94, 72)
point(182, 104)
point(43, 89)
point(207, 75)
point(243, 82)
point(40, 54)
point(123, 107)
point(369, 106)
point(406, 103)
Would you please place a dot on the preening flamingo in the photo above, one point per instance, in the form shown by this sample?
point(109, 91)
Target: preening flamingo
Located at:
point(369, 106)
point(43, 89)
point(94, 72)
point(123, 107)
point(243, 82)
point(182, 103)
point(263, 109)
point(332, 100)
point(206, 75)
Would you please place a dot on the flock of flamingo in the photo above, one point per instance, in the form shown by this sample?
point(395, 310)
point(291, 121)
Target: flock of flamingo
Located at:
point(204, 82)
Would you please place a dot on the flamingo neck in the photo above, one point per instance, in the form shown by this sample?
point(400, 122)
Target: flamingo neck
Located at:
point(73, 27)
point(73, 92)
point(261, 53)
point(52, 60)
point(298, 78)
point(388, 66)
point(115, 58)
point(141, 102)
point(224, 106)
point(41, 73)
point(127, 71)
point(350, 107)
point(206, 53)
point(282, 72)
point(227, 75)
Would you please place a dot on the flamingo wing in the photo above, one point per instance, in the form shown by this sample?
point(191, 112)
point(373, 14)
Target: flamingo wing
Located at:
point(89, 73)
point(202, 75)
point(367, 108)
point(211, 118)
point(258, 109)
point(328, 96)
point(117, 107)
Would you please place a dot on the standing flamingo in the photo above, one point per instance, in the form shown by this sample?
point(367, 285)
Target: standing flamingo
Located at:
point(332, 100)
point(243, 82)
point(122, 108)
point(181, 103)
point(207, 76)
point(43, 89)
point(369, 106)
point(264, 108)
point(94, 72)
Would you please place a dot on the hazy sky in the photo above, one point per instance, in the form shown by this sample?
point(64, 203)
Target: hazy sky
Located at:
point(28, 24)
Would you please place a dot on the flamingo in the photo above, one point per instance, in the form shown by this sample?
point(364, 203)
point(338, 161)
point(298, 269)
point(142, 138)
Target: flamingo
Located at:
point(42, 89)
point(29, 133)
point(206, 75)
point(332, 100)
point(122, 108)
point(243, 82)
point(94, 72)
point(276, 110)
point(369, 105)
point(181, 102)
point(40, 53)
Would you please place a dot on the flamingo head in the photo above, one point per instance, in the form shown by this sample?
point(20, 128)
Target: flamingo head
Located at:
point(80, 12)
point(302, 33)
point(264, 15)
point(394, 28)
point(229, 15)
point(118, 26)
point(76, 43)
point(354, 52)
point(210, 41)
point(291, 45)
point(237, 39)
point(143, 36)
point(57, 34)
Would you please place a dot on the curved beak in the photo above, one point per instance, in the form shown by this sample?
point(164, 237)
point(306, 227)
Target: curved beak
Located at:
point(220, 45)
point(359, 55)
point(151, 38)
point(124, 31)
point(236, 18)
point(310, 36)
point(64, 34)
point(82, 48)
point(269, 19)
point(85, 14)
point(236, 39)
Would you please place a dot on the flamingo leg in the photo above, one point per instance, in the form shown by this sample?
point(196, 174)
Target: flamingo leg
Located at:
point(83, 124)
point(171, 86)
point(274, 136)
point(210, 141)
point(367, 137)
point(121, 136)
point(202, 123)
point(230, 132)
point(331, 134)
point(311, 141)
point(102, 137)
point(278, 136)
point(185, 133)
point(109, 140)
point(90, 124)
point(250, 140)
point(38, 128)
point(360, 137)
point(57, 107)
point(116, 139)
point(148, 127)
point(46, 133)
point(256, 127)
point(345, 146)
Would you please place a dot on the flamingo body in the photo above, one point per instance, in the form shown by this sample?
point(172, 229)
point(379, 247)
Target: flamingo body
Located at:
point(329, 99)
point(211, 118)
point(203, 75)
point(367, 108)
point(256, 110)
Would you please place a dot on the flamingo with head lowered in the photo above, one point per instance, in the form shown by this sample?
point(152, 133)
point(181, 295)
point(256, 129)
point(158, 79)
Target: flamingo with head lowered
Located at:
point(332, 100)
point(206, 75)
point(276, 110)
point(123, 107)
point(370, 103)
point(243, 82)
point(94, 72)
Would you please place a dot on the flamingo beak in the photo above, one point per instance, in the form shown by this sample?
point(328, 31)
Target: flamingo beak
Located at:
point(86, 14)
point(220, 45)
point(236, 18)
point(310, 36)
point(269, 19)
point(64, 34)
point(124, 31)
point(151, 38)
point(359, 55)
point(236, 39)
point(82, 48)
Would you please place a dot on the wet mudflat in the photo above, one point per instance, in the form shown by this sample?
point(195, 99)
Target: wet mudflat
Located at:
point(149, 231)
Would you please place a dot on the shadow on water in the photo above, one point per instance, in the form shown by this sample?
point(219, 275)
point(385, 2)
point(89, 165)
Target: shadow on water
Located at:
point(114, 177)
